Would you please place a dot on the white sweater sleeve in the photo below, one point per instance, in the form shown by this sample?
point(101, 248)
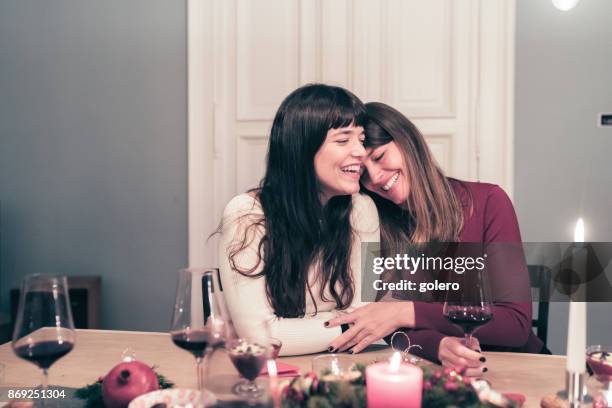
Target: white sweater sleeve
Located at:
point(246, 296)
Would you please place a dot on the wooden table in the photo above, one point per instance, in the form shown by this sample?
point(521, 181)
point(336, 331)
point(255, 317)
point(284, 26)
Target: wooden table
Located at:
point(97, 351)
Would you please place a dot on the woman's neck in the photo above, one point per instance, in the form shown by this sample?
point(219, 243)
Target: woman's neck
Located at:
point(323, 199)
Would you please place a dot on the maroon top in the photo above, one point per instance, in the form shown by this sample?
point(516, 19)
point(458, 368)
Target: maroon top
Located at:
point(489, 218)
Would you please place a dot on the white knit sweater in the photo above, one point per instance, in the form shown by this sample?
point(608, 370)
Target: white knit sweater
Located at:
point(246, 297)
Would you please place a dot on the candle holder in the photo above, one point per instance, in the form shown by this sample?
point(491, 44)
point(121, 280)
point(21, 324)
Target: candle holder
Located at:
point(575, 392)
point(404, 347)
point(335, 367)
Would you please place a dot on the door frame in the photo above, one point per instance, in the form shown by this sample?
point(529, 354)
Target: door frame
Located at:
point(493, 28)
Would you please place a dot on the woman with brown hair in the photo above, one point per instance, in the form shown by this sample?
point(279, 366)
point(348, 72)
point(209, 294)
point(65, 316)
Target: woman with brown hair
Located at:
point(418, 204)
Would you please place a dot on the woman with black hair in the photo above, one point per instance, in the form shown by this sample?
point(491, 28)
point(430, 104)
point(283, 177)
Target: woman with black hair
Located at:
point(290, 250)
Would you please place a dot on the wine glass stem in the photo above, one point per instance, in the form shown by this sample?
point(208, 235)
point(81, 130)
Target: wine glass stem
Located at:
point(467, 339)
point(45, 380)
point(44, 385)
point(253, 390)
point(199, 372)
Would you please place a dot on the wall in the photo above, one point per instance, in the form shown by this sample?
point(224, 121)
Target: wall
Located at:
point(563, 171)
point(93, 144)
point(93, 149)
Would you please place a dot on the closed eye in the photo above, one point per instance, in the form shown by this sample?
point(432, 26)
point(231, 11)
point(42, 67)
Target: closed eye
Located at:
point(377, 158)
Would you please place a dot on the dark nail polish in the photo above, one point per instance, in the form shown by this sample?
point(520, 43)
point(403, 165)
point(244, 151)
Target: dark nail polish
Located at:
point(350, 351)
point(330, 349)
point(326, 324)
point(484, 370)
point(483, 359)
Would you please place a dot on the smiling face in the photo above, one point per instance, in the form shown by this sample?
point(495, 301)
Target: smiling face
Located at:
point(386, 173)
point(339, 161)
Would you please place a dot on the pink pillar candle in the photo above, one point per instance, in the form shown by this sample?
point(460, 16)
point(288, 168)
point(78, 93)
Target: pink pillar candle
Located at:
point(392, 384)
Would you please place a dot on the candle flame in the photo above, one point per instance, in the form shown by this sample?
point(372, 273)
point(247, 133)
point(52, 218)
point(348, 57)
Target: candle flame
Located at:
point(272, 371)
point(395, 362)
point(335, 370)
point(579, 231)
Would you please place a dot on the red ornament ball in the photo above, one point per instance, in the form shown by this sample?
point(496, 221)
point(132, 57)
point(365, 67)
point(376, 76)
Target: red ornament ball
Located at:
point(451, 386)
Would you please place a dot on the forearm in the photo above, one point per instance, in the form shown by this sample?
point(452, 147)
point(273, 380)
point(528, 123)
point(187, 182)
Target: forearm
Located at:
point(305, 335)
point(247, 303)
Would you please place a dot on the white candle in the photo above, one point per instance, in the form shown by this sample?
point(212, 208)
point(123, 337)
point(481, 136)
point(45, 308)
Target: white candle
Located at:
point(576, 327)
point(394, 385)
point(576, 337)
point(274, 386)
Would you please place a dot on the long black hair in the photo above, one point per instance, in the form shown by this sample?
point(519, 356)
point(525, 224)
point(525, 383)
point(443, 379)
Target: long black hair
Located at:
point(299, 230)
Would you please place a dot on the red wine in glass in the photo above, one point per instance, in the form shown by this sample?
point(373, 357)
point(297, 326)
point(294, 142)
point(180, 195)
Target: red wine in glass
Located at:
point(44, 329)
point(195, 341)
point(471, 306)
point(199, 323)
point(469, 318)
point(44, 353)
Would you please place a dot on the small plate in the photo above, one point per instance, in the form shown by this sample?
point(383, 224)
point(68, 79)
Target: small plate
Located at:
point(172, 397)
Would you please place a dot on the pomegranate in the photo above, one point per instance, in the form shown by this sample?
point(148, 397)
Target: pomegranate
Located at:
point(126, 381)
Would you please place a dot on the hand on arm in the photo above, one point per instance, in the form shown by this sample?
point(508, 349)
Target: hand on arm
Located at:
point(371, 323)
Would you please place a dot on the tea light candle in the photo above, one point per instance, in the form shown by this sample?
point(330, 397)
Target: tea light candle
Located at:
point(393, 384)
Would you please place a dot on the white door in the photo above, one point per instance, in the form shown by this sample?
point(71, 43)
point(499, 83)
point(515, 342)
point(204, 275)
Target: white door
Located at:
point(446, 64)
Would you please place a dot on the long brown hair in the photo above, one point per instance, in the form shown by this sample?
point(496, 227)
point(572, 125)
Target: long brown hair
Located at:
point(433, 211)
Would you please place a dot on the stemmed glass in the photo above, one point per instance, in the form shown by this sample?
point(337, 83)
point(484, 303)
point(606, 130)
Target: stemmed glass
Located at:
point(44, 329)
point(599, 359)
point(470, 307)
point(199, 324)
point(249, 354)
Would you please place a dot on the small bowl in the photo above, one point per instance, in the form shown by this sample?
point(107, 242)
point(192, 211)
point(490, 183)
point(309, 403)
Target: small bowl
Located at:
point(172, 397)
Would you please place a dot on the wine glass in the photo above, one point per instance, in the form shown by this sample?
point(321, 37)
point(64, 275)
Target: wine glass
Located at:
point(44, 329)
point(249, 354)
point(199, 324)
point(599, 360)
point(470, 307)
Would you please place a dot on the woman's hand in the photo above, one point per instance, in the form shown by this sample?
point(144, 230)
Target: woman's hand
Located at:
point(371, 323)
point(453, 353)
